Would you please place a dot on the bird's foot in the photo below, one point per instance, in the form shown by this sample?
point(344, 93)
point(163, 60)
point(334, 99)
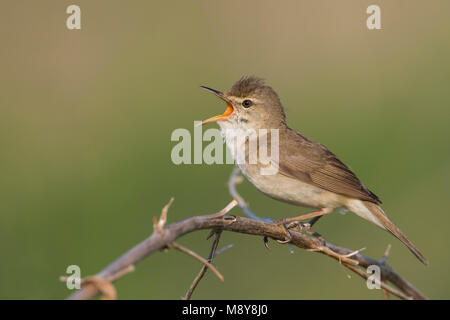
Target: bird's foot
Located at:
point(285, 230)
point(294, 222)
point(304, 227)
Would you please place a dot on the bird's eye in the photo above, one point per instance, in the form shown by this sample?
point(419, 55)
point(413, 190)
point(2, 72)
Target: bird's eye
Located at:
point(247, 103)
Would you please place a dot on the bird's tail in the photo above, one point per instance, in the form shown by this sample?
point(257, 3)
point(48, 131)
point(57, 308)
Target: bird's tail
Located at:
point(380, 219)
point(373, 213)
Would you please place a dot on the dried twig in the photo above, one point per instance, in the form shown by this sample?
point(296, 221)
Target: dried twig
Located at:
point(342, 258)
point(104, 286)
point(383, 285)
point(158, 225)
point(202, 272)
point(166, 235)
point(383, 261)
point(385, 294)
point(386, 254)
point(196, 256)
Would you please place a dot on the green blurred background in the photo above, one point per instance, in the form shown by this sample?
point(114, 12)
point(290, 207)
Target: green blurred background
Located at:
point(86, 118)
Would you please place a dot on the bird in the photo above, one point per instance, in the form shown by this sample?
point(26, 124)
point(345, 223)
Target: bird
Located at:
point(307, 173)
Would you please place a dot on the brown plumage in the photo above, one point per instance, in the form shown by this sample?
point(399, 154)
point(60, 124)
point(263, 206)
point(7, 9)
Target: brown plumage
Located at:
point(313, 163)
point(308, 174)
point(246, 86)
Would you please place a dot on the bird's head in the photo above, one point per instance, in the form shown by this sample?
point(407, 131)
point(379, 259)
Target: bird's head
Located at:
point(250, 105)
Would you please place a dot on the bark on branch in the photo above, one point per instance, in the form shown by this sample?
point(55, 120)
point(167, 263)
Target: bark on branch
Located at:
point(163, 236)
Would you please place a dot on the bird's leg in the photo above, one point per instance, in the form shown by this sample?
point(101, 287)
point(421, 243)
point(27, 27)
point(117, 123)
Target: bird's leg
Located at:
point(306, 227)
point(315, 216)
point(313, 221)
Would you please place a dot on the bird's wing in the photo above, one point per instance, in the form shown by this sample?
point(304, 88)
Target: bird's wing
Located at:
point(313, 163)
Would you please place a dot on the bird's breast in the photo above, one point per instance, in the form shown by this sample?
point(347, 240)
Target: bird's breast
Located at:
point(277, 185)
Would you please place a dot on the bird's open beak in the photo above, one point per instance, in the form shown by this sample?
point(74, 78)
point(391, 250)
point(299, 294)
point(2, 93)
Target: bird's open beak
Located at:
point(228, 111)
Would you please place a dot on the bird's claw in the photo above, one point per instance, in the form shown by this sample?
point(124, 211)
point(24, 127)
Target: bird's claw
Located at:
point(300, 227)
point(266, 242)
point(305, 227)
point(284, 241)
point(286, 233)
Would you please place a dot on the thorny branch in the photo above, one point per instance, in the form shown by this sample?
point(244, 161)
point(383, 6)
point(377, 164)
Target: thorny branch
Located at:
point(196, 256)
point(164, 236)
point(202, 272)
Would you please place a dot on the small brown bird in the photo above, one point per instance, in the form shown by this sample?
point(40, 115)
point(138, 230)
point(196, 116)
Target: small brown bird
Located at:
point(308, 175)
